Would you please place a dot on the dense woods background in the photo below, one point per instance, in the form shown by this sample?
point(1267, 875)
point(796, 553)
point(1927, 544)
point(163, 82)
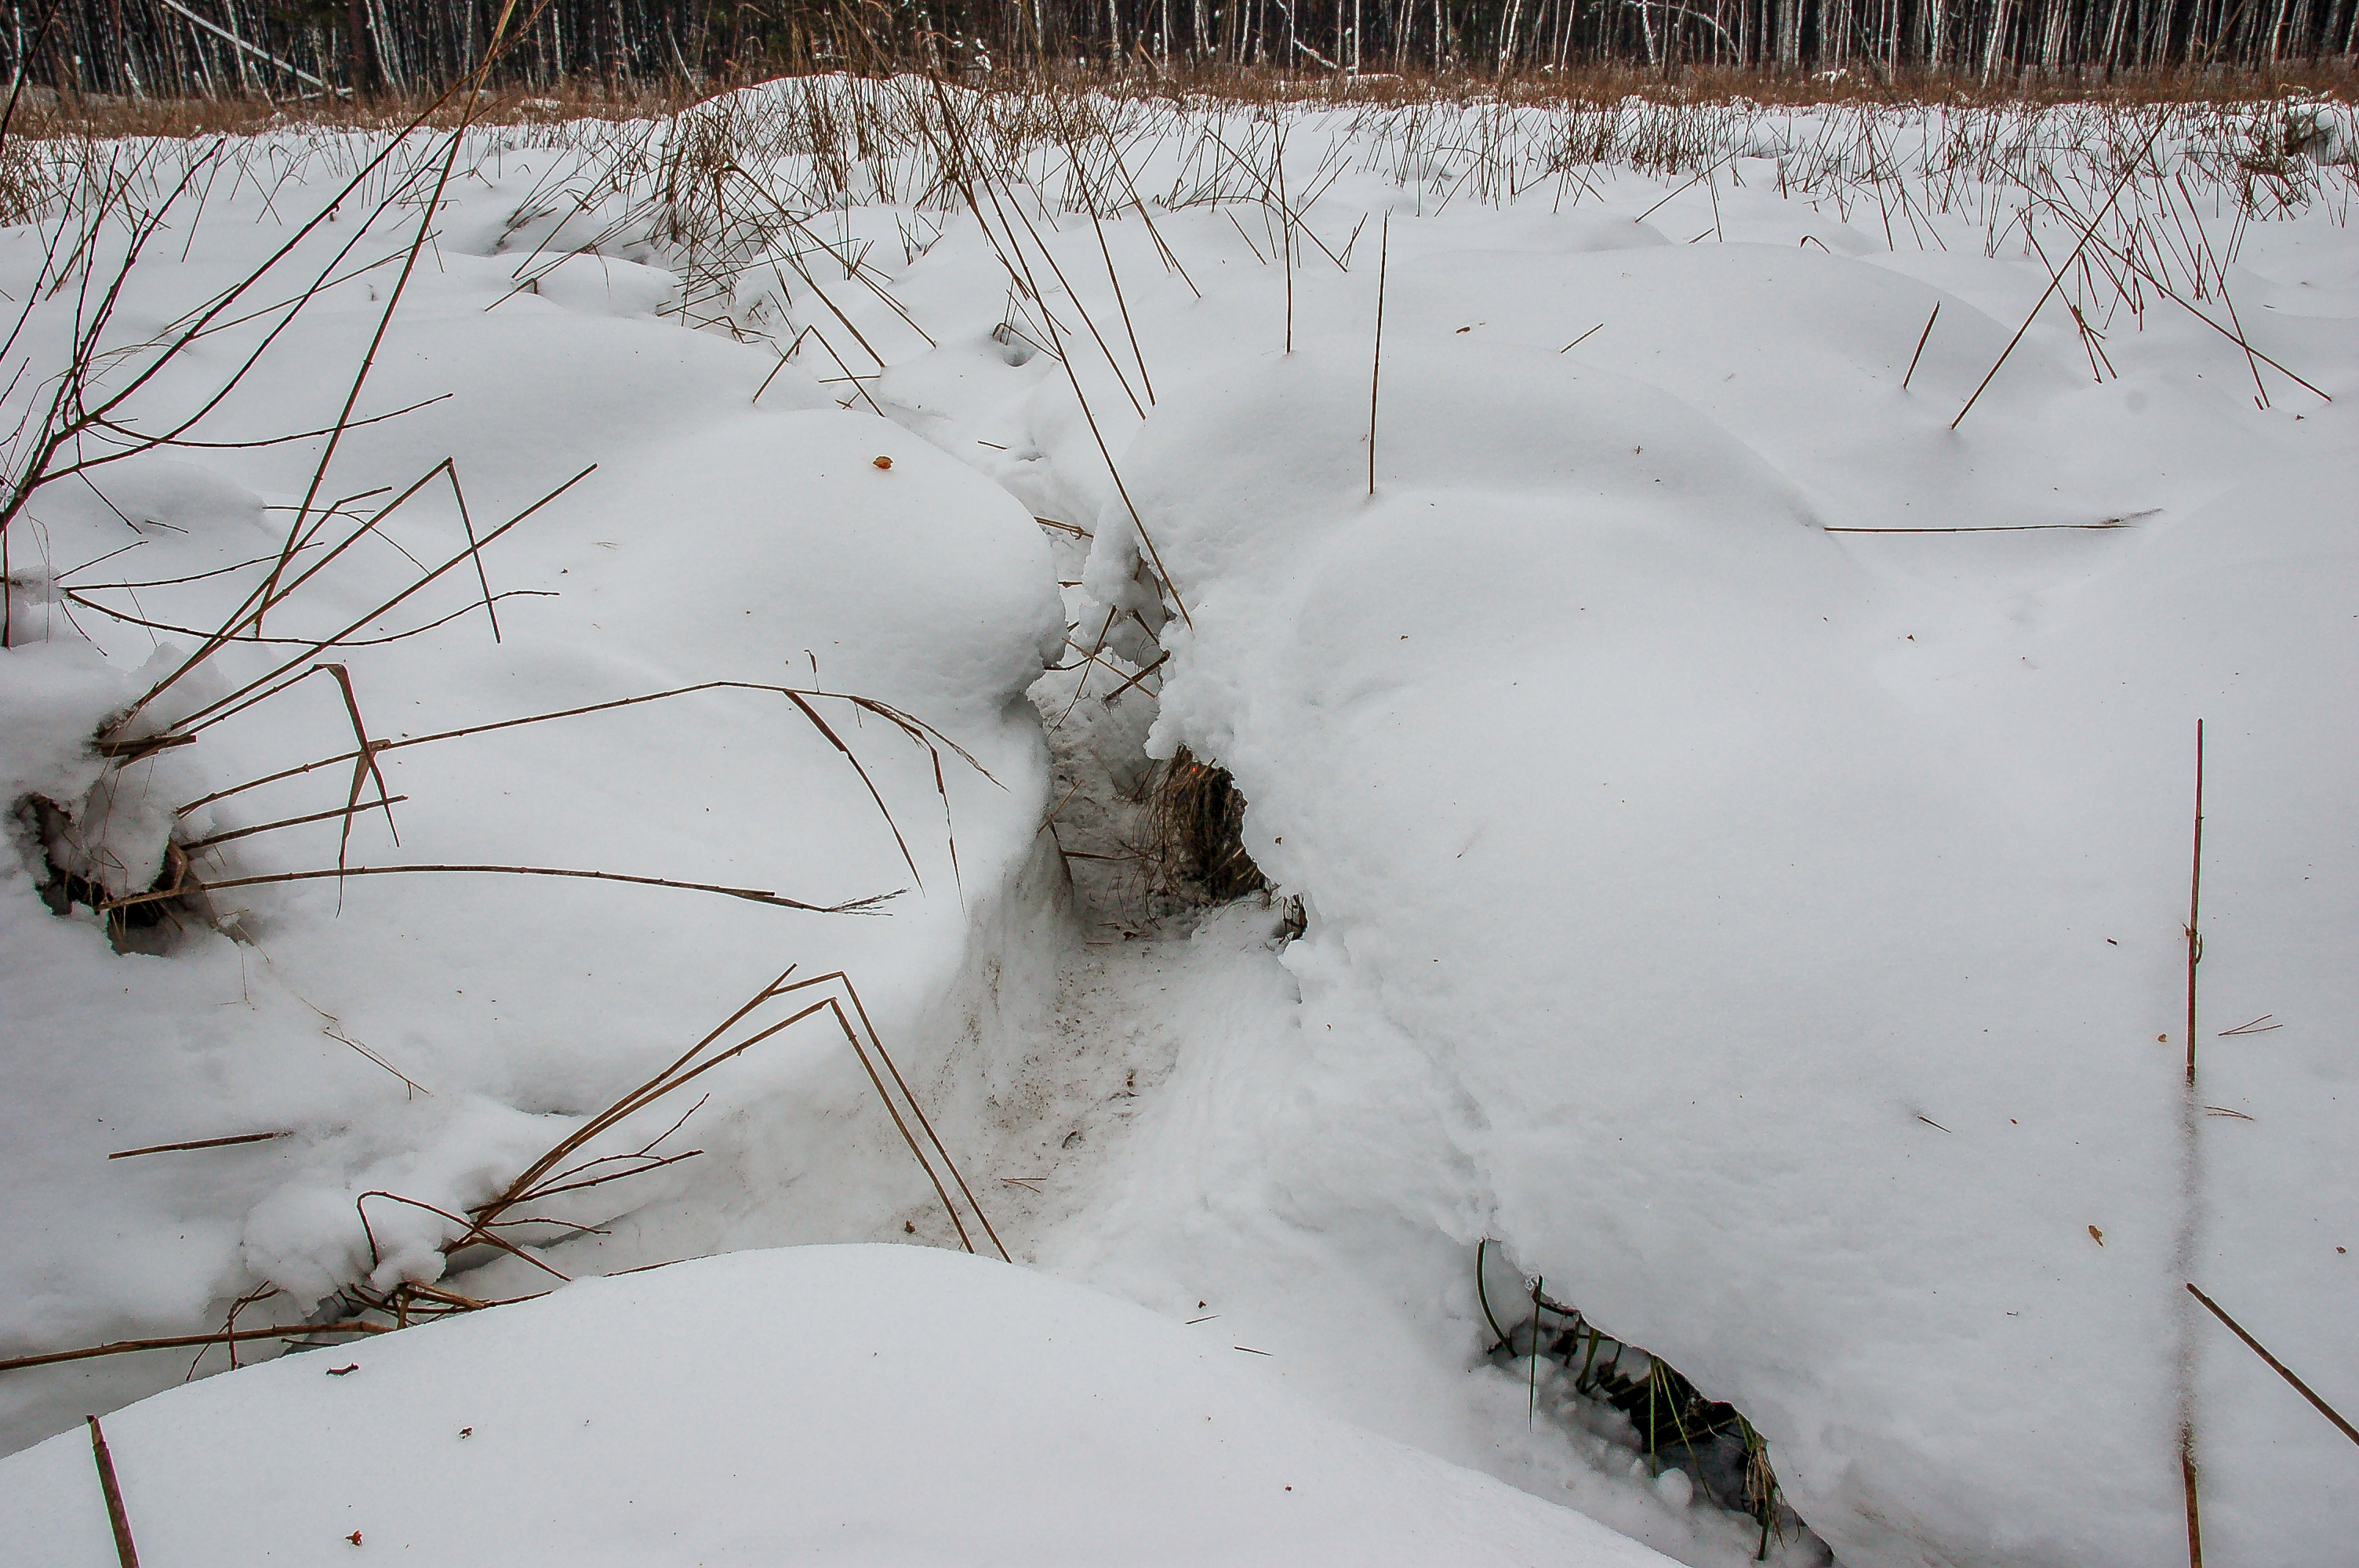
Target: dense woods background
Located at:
point(291, 48)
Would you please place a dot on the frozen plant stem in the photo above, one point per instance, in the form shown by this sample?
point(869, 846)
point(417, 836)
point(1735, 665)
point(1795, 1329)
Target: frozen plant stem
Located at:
point(183, 1341)
point(1285, 239)
point(2280, 1367)
point(1532, 1409)
point(117, 1516)
point(1922, 339)
point(2194, 904)
point(2187, 1481)
point(2191, 1179)
point(1376, 362)
point(1112, 278)
point(200, 1144)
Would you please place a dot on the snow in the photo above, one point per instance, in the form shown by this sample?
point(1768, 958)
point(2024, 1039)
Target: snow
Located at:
point(1751, 904)
point(816, 1404)
point(1588, 860)
point(715, 541)
point(1766, 932)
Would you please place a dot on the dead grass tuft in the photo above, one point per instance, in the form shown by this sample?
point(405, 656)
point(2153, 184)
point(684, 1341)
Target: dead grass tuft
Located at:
point(1196, 823)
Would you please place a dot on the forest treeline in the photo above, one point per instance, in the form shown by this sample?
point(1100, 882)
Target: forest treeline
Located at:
point(294, 49)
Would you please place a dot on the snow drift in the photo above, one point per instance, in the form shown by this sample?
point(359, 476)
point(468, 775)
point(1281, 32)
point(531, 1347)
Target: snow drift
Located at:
point(822, 1404)
point(1775, 942)
point(1741, 806)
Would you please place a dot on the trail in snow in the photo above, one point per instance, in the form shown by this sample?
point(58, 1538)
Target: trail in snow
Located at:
point(1128, 967)
point(1133, 1159)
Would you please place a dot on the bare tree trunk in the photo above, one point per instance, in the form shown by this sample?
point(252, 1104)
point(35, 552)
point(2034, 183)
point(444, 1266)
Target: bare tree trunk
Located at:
point(2276, 32)
point(1997, 37)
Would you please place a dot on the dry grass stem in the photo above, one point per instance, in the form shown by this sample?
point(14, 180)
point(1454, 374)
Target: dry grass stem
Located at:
point(118, 1518)
point(2280, 1367)
point(200, 1144)
point(182, 1341)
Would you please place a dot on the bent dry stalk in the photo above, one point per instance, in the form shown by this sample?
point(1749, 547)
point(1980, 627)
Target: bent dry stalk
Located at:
point(118, 1518)
point(556, 1172)
point(2191, 1177)
point(2280, 1367)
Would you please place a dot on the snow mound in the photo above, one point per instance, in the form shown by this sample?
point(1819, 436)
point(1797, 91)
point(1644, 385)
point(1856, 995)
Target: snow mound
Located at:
point(429, 1035)
point(823, 1404)
point(1623, 800)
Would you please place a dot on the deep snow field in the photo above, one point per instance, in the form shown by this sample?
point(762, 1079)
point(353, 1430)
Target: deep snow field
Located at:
point(1728, 817)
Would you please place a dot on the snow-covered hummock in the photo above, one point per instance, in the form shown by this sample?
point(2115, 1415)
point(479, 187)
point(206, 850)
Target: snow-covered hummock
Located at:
point(429, 1036)
point(1772, 934)
point(1775, 935)
point(857, 1405)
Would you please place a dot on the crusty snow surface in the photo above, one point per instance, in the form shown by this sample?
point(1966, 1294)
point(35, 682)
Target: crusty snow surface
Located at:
point(863, 1404)
point(1741, 824)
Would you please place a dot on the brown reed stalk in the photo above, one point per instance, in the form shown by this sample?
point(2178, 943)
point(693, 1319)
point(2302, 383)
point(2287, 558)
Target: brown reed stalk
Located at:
point(118, 1518)
point(876, 1043)
point(2190, 1135)
point(1376, 358)
point(59, 431)
point(200, 1144)
point(244, 697)
point(193, 846)
point(866, 905)
point(368, 363)
point(2195, 904)
point(2280, 1367)
point(1922, 338)
point(1088, 321)
point(1285, 231)
point(183, 1341)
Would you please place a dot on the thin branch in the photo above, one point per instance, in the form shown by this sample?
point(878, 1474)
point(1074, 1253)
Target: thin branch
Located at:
point(182, 1341)
point(118, 1518)
point(201, 1143)
point(2280, 1367)
point(868, 906)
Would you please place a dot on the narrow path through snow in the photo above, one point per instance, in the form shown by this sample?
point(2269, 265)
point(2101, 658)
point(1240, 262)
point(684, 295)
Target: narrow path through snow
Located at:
point(1132, 1158)
point(1128, 975)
